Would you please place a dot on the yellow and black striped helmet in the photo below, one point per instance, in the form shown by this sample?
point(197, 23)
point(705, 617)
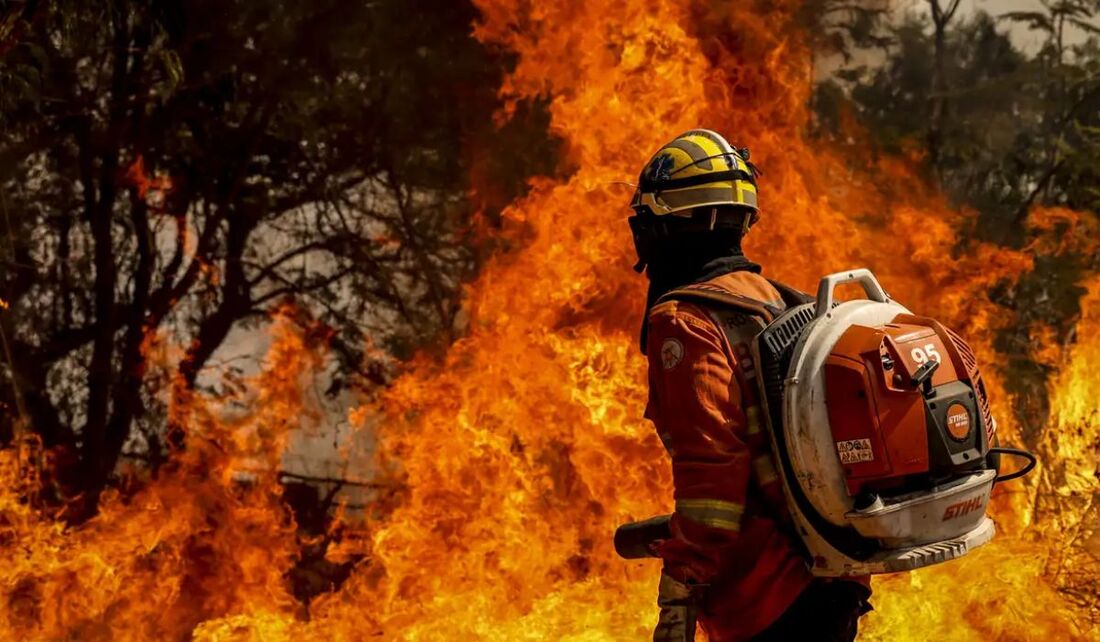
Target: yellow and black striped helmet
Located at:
point(699, 168)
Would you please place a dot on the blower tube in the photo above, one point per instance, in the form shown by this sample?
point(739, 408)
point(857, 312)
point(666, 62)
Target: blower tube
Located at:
point(636, 539)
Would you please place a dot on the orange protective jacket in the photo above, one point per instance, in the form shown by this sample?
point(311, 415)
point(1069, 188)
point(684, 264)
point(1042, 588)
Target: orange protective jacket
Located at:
point(729, 528)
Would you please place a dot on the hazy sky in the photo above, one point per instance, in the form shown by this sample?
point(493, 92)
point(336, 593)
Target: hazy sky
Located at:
point(1023, 37)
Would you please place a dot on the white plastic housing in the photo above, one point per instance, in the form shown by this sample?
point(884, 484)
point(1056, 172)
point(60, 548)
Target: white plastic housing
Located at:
point(912, 530)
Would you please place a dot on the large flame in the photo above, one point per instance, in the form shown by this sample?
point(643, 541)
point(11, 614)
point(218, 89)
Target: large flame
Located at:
point(205, 539)
point(523, 449)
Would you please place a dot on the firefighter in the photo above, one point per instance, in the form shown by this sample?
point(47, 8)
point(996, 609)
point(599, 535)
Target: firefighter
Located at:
point(732, 562)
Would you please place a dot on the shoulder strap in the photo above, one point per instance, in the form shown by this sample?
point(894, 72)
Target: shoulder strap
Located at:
point(709, 296)
point(712, 297)
point(791, 296)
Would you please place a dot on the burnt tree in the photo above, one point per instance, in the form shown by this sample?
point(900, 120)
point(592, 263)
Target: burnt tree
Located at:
point(180, 167)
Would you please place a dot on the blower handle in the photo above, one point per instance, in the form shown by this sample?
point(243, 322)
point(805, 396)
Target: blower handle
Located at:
point(863, 276)
point(1015, 452)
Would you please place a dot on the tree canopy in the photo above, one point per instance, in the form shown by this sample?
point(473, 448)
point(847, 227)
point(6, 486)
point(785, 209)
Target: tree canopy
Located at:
point(178, 168)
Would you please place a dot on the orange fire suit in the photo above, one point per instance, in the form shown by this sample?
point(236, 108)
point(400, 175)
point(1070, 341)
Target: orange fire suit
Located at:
point(729, 528)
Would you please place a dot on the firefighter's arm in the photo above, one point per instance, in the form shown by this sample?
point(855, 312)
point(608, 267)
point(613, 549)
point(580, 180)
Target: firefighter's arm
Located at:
point(703, 427)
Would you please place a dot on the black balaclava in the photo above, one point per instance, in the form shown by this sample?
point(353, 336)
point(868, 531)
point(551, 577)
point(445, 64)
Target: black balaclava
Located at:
point(693, 257)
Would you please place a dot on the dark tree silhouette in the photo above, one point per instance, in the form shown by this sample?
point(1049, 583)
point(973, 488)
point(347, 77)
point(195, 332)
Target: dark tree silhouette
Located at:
point(181, 167)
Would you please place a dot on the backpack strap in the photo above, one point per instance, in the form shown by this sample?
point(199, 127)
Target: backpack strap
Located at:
point(709, 295)
point(792, 296)
point(732, 311)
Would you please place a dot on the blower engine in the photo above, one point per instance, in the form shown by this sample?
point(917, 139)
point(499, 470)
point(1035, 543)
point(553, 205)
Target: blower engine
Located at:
point(881, 430)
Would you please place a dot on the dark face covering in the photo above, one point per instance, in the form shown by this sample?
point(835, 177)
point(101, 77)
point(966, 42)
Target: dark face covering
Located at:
point(693, 258)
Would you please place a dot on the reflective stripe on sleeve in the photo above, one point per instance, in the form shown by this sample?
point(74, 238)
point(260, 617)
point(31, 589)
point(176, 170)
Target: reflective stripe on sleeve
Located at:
point(752, 416)
point(712, 512)
point(764, 469)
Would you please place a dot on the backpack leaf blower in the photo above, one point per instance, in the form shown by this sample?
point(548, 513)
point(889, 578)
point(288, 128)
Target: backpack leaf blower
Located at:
point(881, 426)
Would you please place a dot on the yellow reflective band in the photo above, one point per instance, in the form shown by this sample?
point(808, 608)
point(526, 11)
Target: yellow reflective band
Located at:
point(663, 307)
point(716, 504)
point(714, 522)
point(765, 470)
point(752, 415)
point(712, 512)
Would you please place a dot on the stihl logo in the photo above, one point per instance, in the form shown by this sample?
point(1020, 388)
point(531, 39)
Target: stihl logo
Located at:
point(964, 507)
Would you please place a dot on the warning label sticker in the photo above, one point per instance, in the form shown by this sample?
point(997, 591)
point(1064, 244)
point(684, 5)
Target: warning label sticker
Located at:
point(854, 451)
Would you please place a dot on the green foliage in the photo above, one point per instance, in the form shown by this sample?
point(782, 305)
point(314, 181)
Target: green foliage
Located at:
point(1057, 16)
point(1018, 128)
point(842, 27)
point(22, 65)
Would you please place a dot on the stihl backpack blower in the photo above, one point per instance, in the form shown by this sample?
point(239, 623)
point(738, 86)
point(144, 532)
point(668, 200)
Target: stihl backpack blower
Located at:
point(881, 430)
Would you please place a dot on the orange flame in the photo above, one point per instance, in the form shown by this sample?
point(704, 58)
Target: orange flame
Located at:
point(197, 543)
point(524, 448)
point(151, 189)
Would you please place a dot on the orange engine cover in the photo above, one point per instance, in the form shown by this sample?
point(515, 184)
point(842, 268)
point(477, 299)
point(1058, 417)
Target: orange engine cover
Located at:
point(876, 413)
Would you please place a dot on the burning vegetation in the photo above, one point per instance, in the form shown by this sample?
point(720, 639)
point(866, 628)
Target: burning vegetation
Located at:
point(511, 456)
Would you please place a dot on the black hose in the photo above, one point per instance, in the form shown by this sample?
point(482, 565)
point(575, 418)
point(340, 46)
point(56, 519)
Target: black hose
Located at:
point(1015, 452)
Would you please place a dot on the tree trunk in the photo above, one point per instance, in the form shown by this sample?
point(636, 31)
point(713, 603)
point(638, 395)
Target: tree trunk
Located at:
point(938, 107)
point(95, 459)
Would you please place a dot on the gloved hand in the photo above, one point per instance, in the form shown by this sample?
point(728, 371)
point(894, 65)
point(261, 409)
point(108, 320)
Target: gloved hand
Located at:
point(679, 604)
